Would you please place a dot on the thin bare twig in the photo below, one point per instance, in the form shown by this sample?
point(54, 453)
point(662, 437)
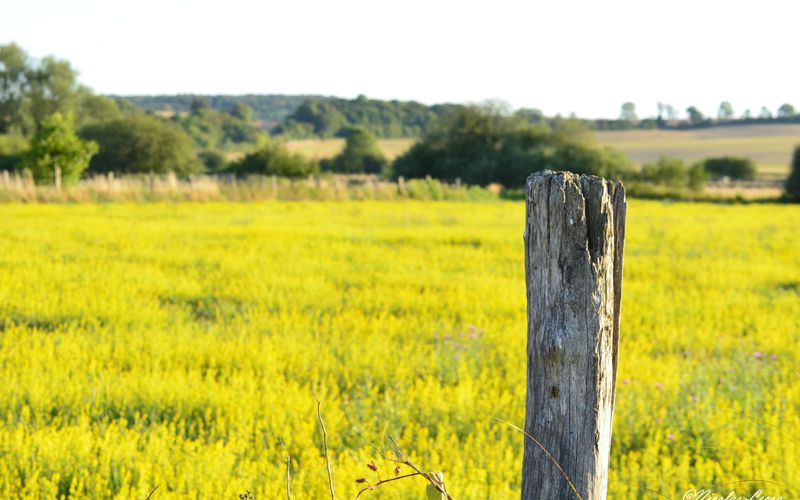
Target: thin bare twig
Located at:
point(152, 492)
point(288, 471)
point(552, 459)
point(324, 438)
point(401, 457)
point(384, 481)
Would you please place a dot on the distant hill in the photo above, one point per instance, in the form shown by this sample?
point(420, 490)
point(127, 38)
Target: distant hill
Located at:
point(334, 117)
point(305, 116)
point(269, 109)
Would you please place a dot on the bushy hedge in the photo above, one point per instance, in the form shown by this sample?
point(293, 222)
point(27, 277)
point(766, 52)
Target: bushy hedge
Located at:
point(361, 155)
point(673, 173)
point(482, 146)
point(742, 169)
point(142, 144)
point(274, 159)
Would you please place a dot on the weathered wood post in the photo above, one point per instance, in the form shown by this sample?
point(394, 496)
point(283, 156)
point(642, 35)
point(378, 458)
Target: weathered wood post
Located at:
point(574, 238)
point(57, 178)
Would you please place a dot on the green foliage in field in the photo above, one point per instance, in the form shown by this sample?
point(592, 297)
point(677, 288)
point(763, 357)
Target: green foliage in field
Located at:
point(361, 154)
point(213, 160)
point(743, 169)
point(482, 146)
point(792, 185)
point(176, 344)
point(56, 145)
point(142, 144)
point(274, 159)
point(673, 173)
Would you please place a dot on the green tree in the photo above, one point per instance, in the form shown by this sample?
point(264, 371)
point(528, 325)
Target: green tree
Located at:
point(52, 87)
point(213, 129)
point(13, 84)
point(786, 111)
point(56, 144)
point(697, 177)
point(91, 109)
point(274, 159)
point(242, 111)
point(481, 146)
point(628, 112)
point(728, 166)
point(198, 104)
point(361, 154)
point(765, 113)
point(666, 171)
point(12, 151)
point(32, 90)
point(142, 144)
point(792, 185)
point(695, 116)
point(725, 111)
point(214, 161)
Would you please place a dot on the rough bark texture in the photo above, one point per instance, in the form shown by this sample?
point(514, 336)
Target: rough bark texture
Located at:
point(574, 235)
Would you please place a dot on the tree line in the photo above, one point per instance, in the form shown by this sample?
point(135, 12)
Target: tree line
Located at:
point(268, 110)
point(668, 117)
point(48, 121)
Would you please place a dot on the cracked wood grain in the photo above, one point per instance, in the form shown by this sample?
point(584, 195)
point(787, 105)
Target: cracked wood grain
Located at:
point(574, 240)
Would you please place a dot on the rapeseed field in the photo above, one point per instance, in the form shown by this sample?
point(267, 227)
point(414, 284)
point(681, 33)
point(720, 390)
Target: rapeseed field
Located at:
point(175, 345)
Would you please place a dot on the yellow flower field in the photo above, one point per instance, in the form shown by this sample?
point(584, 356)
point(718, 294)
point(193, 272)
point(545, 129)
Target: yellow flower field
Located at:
point(176, 345)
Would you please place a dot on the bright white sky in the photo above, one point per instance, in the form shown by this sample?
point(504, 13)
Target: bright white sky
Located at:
point(560, 56)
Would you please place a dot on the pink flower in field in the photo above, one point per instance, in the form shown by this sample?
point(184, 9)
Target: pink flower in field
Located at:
point(626, 381)
point(686, 354)
point(473, 328)
point(671, 436)
point(659, 385)
point(773, 357)
point(473, 335)
point(758, 354)
point(446, 337)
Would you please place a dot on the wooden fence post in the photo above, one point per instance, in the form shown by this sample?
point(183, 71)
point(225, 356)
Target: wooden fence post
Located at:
point(574, 239)
point(57, 175)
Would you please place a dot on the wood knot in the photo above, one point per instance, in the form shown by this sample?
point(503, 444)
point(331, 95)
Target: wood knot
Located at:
point(554, 392)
